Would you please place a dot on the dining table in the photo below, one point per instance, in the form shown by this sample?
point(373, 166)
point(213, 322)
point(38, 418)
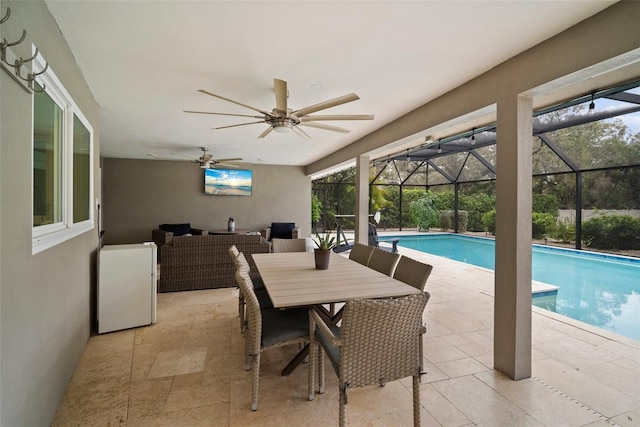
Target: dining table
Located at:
point(292, 280)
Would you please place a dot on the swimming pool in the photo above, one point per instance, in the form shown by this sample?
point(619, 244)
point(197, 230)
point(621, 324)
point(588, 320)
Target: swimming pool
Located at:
point(599, 289)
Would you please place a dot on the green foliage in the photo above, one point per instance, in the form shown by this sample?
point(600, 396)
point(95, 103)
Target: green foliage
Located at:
point(489, 221)
point(447, 220)
point(612, 232)
point(565, 231)
point(423, 212)
point(316, 209)
point(325, 242)
point(543, 224)
point(476, 205)
point(546, 203)
point(443, 200)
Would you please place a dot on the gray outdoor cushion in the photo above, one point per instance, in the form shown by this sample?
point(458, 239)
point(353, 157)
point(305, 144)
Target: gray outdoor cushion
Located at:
point(283, 325)
point(332, 351)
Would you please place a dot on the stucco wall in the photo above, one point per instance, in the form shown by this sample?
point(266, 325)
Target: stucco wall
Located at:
point(45, 299)
point(138, 195)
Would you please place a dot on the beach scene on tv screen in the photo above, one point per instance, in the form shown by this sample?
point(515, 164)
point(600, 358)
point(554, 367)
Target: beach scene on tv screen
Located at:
point(227, 182)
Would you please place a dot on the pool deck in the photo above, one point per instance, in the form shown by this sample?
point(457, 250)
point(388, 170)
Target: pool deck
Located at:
point(188, 370)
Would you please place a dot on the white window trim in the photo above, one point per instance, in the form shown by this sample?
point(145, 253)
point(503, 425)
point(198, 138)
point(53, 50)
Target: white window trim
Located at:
point(47, 236)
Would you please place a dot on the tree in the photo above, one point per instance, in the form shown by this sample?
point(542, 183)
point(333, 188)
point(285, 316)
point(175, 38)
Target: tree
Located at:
point(423, 212)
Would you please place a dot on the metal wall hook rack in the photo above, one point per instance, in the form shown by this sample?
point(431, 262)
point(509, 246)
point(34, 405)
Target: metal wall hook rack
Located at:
point(6, 15)
point(12, 64)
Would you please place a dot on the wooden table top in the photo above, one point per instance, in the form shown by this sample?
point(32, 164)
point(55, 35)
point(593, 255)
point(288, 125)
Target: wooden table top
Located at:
point(292, 280)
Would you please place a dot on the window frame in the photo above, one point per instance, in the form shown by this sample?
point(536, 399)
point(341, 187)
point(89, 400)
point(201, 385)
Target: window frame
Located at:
point(49, 235)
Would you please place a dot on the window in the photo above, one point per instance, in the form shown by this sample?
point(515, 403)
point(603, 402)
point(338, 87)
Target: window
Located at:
point(62, 164)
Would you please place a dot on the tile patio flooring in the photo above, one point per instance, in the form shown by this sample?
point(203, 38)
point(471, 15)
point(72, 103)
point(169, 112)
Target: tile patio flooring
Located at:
point(187, 370)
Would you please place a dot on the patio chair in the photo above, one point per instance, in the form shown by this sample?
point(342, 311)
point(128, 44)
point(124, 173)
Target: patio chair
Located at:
point(373, 239)
point(361, 253)
point(268, 329)
point(412, 272)
point(383, 261)
point(263, 297)
point(379, 341)
point(234, 252)
point(288, 245)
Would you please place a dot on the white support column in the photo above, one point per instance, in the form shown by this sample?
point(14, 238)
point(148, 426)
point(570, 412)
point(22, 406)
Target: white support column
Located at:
point(512, 311)
point(362, 200)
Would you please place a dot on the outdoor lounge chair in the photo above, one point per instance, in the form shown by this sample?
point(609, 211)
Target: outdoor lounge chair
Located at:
point(379, 341)
point(373, 239)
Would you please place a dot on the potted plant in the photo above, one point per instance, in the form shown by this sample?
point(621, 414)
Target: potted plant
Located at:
point(324, 245)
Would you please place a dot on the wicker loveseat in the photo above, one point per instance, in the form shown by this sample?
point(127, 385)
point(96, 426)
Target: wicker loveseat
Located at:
point(203, 262)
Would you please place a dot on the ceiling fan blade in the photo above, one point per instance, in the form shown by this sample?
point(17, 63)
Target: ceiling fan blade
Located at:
point(222, 114)
point(266, 132)
point(327, 104)
point(337, 117)
point(235, 102)
point(234, 159)
point(300, 132)
point(240, 124)
point(325, 127)
point(280, 88)
point(226, 165)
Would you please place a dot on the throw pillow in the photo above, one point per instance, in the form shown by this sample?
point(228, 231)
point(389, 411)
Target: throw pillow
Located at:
point(282, 230)
point(177, 229)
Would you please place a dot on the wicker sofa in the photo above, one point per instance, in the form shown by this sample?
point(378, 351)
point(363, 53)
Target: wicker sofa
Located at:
point(203, 262)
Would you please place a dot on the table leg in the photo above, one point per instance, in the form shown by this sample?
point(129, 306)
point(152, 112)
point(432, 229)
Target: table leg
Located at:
point(331, 318)
point(302, 354)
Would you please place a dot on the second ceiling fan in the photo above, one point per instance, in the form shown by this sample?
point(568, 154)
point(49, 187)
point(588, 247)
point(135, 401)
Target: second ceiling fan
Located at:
point(282, 119)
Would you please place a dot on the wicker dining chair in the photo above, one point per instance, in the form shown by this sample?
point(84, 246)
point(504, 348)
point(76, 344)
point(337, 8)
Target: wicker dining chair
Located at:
point(288, 245)
point(234, 252)
point(361, 253)
point(379, 341)
point(264, 300)
point(268, 329)
point(383, 261)
point(412, 272)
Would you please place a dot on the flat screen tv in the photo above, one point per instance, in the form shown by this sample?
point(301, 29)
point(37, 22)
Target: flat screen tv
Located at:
point(227, 182)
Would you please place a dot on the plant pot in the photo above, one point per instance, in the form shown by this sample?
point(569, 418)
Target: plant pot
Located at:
point(322, 259)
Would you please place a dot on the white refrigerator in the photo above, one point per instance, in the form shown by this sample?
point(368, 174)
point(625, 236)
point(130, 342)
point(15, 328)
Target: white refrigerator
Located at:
point(127, 292)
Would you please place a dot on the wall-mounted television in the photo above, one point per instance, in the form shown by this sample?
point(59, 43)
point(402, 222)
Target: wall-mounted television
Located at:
point(227, 182)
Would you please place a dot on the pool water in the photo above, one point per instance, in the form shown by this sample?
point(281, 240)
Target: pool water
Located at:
point(599, 289)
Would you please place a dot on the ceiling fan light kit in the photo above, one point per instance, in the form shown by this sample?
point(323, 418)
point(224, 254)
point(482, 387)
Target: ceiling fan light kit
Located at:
point(282, 125)
point(284, 120)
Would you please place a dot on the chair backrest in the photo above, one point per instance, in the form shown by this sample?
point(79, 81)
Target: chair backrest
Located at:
point(288, 245)
point(361, 253)
point(386, 334)
point(383, 261)
point(234, 252)
point(243, 264)
point(412, 272)
point(254, 315)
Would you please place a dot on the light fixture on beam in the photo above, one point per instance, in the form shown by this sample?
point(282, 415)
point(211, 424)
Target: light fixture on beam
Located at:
point(439, 147)
point(592, 105)
point(473, 136)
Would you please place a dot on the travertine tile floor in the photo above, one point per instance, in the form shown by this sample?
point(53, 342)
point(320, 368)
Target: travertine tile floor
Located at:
point(187, 370)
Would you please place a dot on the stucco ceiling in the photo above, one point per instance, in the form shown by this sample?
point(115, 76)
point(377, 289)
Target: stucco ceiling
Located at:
point(144, 62)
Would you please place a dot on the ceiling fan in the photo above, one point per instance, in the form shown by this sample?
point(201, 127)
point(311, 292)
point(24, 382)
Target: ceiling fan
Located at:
point(206, 161)
point(283, 120)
